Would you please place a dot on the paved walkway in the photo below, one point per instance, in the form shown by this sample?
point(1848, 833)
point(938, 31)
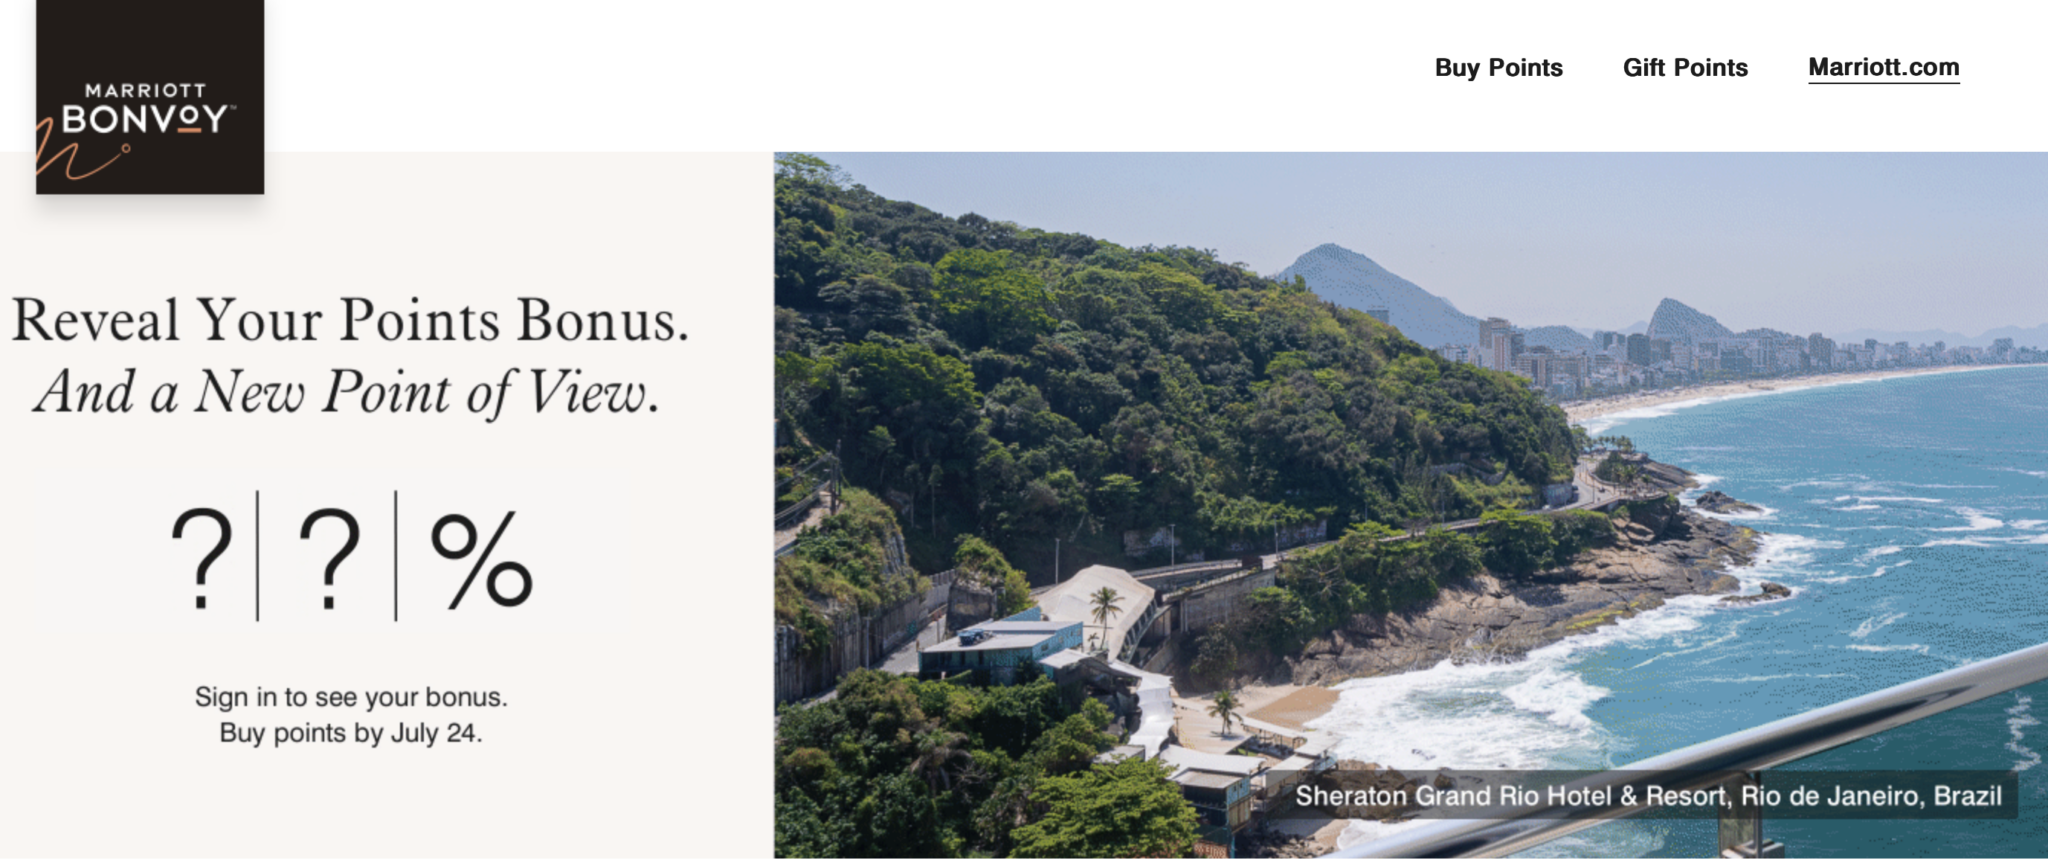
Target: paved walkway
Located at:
point(904, 660)
point(785, 538)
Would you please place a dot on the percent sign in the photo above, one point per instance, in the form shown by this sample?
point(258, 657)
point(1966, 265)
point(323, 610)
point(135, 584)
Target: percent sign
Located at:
point(469, 545)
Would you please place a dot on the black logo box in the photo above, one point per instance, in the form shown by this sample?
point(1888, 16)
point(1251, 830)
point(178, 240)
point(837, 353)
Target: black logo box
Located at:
point(218, 43)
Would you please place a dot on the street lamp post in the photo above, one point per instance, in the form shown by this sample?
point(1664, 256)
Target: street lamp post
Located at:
point(1172, 545)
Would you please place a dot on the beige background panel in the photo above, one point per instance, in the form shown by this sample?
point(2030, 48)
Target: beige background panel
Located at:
point(622, 733)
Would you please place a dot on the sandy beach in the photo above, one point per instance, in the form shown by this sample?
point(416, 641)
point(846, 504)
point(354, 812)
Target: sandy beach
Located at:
point(1580, 411)
point(1283, 704)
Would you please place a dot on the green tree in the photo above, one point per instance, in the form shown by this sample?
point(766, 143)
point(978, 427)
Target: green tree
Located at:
point(1517, 543)
point(941, 753)
point(1215, 654)
point(1074, 742)
point(1128, 809)
point(1116, 496)
point(988, 302)
point(1277, 619)
point(897, 818)
point(807, 168)
point(1577, 530)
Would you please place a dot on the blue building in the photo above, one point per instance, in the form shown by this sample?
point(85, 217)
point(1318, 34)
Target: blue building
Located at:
point(1015, 641)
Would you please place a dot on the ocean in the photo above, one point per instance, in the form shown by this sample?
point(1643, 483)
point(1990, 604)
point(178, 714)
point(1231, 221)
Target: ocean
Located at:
point(1909, 516)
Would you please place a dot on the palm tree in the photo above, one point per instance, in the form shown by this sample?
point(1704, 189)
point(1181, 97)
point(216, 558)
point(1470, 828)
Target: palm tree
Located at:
point(1629, 475)
point(1225, 708)
point(939, 751)
point(1105, 601)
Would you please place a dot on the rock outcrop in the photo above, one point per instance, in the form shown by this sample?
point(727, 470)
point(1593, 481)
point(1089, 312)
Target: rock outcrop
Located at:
point(1771, 590)
point(1720, 502)
point(1669, 477)
point(1662, 551)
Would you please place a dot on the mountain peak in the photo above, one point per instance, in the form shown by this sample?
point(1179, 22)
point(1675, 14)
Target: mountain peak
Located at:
point(1350, 279)
point(1676, 320)
point(1332, 252)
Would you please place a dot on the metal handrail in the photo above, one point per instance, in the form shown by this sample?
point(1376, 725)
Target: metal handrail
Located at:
point(1199, 565)
point(1505, 830)
point(801, 472)
point(789, 513)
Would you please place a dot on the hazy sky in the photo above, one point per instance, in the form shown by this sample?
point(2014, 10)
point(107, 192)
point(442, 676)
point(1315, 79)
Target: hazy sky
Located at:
point(1801, 242)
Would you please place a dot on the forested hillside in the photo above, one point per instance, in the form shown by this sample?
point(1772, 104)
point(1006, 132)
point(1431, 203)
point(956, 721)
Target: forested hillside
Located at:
point(1022, 385)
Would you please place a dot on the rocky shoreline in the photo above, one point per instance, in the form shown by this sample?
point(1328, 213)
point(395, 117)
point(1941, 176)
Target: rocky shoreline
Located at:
point(1663, 550)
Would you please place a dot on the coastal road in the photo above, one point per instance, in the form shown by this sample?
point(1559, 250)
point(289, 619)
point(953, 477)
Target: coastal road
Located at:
point(1593, 493)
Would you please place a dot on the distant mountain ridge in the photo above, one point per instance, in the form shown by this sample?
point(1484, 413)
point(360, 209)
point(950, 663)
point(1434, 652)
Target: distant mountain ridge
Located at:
point(1350, 279)
point(1558, 338)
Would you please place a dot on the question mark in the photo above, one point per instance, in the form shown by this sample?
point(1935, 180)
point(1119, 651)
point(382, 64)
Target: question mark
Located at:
point(306, 532)
point(178, 532)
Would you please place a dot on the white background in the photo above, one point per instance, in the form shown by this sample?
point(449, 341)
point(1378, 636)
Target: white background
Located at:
point(635, 75)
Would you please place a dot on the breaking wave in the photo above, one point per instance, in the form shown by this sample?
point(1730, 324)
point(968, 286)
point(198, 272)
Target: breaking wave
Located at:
point(2018, 718)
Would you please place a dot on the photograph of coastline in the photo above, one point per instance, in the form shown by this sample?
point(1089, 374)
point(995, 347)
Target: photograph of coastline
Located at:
point(1120, 496)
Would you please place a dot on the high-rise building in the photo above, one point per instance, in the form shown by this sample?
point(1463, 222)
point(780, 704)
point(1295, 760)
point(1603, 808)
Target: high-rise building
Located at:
point(1820, 351)
point(1381, 314)
point(1501, 354)
point(1639, 350)
point(1488, 329)
point(1569, 369)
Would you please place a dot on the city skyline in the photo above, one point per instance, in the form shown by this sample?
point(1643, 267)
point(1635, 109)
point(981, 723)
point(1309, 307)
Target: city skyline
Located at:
point(1801, 242)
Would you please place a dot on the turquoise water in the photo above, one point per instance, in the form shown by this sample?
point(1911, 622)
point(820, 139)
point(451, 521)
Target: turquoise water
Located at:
point(1910, 518)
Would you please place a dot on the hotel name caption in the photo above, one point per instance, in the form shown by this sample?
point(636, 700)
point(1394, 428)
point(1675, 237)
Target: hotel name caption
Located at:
point(1831, 797)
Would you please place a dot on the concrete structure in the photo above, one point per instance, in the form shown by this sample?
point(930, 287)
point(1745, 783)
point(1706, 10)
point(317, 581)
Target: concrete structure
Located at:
point(1073, 601)
point(1000, 644)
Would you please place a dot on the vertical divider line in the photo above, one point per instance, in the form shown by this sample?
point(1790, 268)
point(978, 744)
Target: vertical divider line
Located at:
point(259, 555)
point(394, 555)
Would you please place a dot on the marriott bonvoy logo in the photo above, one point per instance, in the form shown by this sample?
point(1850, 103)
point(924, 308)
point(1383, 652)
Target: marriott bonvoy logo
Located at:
point(149, 97)
point(142, 118)
point(125, 110)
